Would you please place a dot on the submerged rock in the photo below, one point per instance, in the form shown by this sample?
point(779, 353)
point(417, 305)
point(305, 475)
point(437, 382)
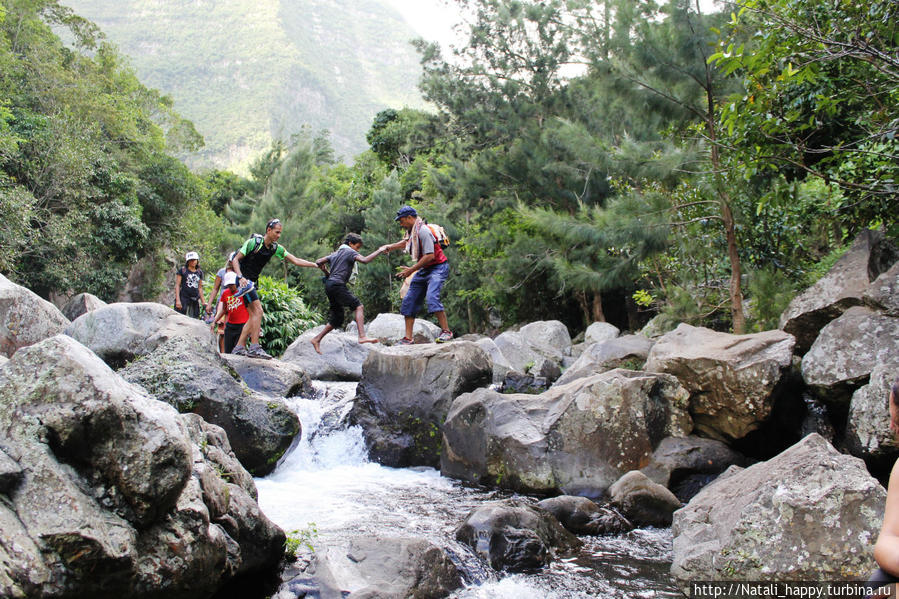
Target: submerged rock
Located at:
point(582, 516)
point(515, 536)
point(384, 567)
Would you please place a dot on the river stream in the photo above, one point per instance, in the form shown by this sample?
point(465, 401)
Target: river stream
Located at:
point(329, 490)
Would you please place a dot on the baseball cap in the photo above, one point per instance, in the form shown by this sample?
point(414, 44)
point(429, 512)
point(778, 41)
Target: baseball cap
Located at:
point(230, 278)
point(405, 211)
point(191, 256)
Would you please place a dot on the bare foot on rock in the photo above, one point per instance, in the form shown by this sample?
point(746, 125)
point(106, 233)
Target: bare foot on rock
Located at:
point(316, 345)
point(367, 340)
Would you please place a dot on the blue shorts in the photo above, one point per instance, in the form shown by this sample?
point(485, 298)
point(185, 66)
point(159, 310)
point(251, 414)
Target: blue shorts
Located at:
point(250, 297)
point(425, 285)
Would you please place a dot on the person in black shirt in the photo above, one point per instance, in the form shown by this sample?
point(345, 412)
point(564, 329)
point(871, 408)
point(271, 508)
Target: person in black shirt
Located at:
point(189, 286)
point(342, 263)
point(248, 264)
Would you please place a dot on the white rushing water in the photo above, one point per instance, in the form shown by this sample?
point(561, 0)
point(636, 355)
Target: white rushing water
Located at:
point(328, 488)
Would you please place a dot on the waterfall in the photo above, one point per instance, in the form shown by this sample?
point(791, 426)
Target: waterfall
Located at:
point(328, 483)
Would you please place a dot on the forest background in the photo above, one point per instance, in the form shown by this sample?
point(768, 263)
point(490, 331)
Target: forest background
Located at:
point(590, 160)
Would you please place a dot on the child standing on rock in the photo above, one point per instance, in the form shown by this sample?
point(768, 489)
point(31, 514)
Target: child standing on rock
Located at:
point(232, 308)
point(342, 263)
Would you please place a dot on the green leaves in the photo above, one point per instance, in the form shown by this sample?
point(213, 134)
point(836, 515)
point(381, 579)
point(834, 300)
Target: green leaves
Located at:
point(285, 315)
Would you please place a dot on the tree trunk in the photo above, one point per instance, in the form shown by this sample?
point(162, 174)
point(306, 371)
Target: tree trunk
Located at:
point(582, 302)
point(727, 215)
point(598, 315)
point(736, 275)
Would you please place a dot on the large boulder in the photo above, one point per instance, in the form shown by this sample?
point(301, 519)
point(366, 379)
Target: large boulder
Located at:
point(642, 501)
point(841, 288)
point(517, 351)
point(384, 568)
point(686, 464)
point(25, 318)
point(733, 380)
point(405, 393)
point(81, 304)
point(847, 350)
point(341, 358)
point(581, 516)
point(599, 332)
point(549, 338)
point(883, 293)
point(194, 378)
point(628, 351)
point(515, 536)
point(576, 439)
point(810, 513)
point(868, 433)
point(272, 377)
point(390, 328)
point(501, 366)
point(120, 332)
point(116, 493)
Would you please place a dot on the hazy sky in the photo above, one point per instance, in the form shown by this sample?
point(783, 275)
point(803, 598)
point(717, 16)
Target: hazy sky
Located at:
point(432, 19)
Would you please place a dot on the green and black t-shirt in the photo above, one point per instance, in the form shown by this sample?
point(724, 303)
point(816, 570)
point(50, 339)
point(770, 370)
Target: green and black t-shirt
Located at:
point(256, 255)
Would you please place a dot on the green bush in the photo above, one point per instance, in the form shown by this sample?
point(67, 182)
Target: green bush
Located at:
point(285, 316)
point(770, 293)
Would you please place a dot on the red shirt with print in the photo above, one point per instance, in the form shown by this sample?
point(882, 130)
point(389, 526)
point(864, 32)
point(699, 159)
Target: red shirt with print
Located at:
point(235, 307)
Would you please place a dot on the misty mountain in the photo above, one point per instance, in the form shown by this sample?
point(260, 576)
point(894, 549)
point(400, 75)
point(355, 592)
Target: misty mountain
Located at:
point(248, 71)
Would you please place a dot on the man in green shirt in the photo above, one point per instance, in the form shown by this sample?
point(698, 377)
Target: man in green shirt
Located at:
point(248, 264)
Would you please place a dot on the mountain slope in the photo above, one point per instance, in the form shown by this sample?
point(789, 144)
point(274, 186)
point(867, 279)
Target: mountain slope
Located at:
point(247, 71)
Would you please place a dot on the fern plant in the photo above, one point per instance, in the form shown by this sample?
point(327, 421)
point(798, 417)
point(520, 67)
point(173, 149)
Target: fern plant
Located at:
point(285, 315)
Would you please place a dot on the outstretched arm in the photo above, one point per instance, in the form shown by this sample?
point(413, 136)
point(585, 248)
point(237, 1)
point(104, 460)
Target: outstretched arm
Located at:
point(372, 256)
point(299, 261)
point(399, 245)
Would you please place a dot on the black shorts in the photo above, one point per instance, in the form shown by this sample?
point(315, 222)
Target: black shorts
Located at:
point(339, 297)
point(190, 307)
point(232, 334)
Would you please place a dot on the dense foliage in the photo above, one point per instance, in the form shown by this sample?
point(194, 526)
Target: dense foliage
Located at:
point(285, 315)
point(607, 160)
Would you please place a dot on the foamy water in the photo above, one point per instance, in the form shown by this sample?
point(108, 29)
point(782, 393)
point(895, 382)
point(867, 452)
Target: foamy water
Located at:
point(327, 482)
